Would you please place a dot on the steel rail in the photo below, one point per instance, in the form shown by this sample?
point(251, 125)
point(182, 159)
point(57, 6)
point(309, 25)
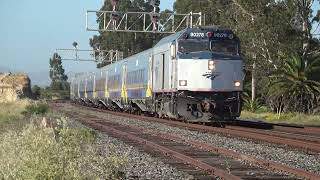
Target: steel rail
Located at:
point(288, 135)
point(315, 131)
point(235, 155)
point(260, 162)
point(168, 152)
point(298, 144)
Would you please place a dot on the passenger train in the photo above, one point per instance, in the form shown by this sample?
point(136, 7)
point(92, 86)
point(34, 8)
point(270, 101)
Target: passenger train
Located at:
point(194, 75)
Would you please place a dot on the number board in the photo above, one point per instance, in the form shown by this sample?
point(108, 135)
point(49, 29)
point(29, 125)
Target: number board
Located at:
point(198, 35)
point(212, 35)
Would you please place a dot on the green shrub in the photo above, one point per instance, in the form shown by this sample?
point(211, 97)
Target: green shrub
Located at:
point(252, 106)
point(36, 108)
point(263, 109)
point(291, 118)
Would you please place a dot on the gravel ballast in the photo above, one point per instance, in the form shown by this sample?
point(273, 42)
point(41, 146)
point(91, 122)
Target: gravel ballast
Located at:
point(266, 151)
point(140, 165)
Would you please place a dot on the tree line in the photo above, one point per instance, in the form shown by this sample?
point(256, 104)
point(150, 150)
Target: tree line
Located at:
point(281, 54)
point(59, 87)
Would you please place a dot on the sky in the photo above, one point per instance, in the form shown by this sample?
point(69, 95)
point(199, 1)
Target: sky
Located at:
point(31, 30)
point(316, 28)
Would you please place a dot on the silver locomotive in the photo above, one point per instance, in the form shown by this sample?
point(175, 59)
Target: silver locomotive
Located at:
point(195, 75)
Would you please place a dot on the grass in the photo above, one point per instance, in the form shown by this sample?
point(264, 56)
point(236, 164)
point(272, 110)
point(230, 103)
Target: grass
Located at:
point(11, 114)
point(15, 115)
point(39, 153)
point(68, 151)
point(38, 108)
point(290, 118)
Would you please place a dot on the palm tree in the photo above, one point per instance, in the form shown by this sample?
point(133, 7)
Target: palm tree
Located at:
point(293, 88)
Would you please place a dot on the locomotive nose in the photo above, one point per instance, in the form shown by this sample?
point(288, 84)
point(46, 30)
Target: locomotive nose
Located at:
point(210, 75)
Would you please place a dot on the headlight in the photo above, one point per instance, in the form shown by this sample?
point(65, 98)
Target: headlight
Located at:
point(173, 51)
point(183, 83)
point(237, 83)
point(211, 65)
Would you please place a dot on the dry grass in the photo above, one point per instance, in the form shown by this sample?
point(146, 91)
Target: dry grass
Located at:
point(291, 118)
point(63, 153)
point(11, 113)
point(30, 150)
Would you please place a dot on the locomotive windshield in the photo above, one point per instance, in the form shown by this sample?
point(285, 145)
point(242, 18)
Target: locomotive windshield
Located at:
point(193, 46)
point(224, 47)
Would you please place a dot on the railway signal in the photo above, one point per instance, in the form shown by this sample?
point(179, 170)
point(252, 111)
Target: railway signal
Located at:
point(149, 22)
point(101, 57)
point(155, 3)
point(114, 4)
point(136, 22)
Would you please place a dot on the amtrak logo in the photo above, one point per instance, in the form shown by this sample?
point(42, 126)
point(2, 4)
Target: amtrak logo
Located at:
point(211, 75)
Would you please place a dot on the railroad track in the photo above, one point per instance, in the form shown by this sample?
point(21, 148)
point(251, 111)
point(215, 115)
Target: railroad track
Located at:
point(292, 137)
point(281, 127)
point(198, 159)
point(289, 134)
point(314, 131)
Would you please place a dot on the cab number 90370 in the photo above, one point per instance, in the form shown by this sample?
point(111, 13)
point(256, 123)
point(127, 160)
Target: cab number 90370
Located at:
point(198, 35)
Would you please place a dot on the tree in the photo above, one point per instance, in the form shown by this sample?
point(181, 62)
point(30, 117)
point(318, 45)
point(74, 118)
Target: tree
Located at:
point(306, 19)
point(36, 91)
point(57, 76)
point(269, 30)
point(292, 87)
point(128, 43)
point(261, 25)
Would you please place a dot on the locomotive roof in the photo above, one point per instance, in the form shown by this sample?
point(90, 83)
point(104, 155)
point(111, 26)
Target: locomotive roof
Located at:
point(176, 36)
point(170, 38)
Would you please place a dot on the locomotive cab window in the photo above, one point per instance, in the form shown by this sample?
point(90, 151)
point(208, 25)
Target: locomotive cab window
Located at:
point(193, 45)
point(225, 47)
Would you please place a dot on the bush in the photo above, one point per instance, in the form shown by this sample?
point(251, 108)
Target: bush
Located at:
point(252, 106)
point(291, 118)
point(45, 93)
point(36, 91)
point(36, 108)
point(37, 153)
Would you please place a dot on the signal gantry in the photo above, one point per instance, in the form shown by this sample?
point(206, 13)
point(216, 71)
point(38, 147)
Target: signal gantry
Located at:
point(148, 22)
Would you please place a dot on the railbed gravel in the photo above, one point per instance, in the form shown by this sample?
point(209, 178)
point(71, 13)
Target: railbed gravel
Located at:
point(139, 165)
point(276, 153)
